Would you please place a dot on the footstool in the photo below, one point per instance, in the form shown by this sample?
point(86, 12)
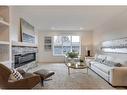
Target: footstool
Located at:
point(44, 74)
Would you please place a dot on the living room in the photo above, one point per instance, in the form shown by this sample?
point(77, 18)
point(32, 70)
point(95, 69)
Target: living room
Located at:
point(36, 40)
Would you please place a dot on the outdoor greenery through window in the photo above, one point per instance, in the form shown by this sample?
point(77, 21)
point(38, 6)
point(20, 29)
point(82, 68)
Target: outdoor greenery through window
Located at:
point(65, 44)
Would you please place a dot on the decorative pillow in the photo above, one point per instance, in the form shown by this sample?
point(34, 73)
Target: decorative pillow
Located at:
point(109, 58)
point(111, 63)
point(103, 57)
point(15, 75)
point(98, 60)
point(117, 64)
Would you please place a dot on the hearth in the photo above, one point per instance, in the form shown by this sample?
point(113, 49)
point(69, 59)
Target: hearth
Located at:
point(23, 59)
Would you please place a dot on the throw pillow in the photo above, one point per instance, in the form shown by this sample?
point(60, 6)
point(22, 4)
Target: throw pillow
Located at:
point(117, 65)
point(99, 60)
point(111, 63)
point(15, 75)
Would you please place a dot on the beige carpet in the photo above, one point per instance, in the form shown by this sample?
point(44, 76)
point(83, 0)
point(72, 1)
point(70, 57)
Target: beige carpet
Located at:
point(78, 79)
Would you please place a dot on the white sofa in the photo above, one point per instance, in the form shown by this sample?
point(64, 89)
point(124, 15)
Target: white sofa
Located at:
point(116, 76)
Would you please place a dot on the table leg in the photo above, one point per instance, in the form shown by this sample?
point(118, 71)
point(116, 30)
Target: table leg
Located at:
point(68, 71)
point(42, 82)
point(87, 70)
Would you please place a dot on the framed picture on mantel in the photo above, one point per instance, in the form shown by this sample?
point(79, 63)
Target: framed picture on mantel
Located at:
point(27, 32)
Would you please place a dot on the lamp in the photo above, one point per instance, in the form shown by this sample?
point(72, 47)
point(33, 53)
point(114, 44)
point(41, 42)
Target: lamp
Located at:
point(88, 52)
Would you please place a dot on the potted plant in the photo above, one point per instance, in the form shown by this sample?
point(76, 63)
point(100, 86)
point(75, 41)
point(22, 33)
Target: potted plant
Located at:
point(72, 54)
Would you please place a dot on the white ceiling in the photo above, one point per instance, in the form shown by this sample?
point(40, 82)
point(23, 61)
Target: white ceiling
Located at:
point(68, 17)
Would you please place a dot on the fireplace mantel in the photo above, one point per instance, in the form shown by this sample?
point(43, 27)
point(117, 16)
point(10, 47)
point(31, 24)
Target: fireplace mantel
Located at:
point(23, 44)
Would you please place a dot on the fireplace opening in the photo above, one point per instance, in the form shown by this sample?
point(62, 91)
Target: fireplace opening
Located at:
point(22, 59)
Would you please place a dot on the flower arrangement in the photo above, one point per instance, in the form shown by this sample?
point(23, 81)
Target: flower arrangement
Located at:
point(72, 54)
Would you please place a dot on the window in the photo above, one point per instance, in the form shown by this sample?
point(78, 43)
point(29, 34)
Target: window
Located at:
point(64, 44)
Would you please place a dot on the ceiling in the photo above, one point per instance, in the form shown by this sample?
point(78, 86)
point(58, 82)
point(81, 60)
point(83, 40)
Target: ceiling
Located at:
point(68, 17)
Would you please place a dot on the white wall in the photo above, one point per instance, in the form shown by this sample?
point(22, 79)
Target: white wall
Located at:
point(47, 56)
point(14, 24)
point(114, 28)
point(15, 15)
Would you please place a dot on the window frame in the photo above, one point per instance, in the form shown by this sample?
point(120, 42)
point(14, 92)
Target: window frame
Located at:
point(62, 45)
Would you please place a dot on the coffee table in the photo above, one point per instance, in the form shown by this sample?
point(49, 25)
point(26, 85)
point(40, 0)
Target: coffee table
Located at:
point(76, 65)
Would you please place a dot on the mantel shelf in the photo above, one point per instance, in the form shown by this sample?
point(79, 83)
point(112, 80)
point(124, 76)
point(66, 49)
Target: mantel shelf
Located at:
point(4, 43)
point(3, 23)
point(23, 44)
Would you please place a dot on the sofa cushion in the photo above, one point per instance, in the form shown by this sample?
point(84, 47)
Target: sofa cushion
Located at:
point(111, 63)
point(103, 67)
point(122, 61)
point(110, 58)
point(100, 58)
point(94, 62)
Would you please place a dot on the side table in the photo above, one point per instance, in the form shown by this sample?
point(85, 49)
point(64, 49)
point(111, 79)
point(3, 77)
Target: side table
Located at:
point(88, 59)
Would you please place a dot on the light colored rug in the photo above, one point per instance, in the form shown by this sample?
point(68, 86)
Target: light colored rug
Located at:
point(78, 78)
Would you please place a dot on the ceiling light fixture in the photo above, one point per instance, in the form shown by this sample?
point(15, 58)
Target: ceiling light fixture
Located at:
point(67, 28)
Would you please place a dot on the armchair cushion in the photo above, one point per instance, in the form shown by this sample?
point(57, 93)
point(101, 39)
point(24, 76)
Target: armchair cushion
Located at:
point(26, 83)
point(21, 71)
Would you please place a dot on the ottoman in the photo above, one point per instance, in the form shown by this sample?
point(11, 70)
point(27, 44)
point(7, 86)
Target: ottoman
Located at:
point(44, 74)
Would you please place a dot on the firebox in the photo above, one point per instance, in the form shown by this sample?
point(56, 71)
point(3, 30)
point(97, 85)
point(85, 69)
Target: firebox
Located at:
point(22, 59)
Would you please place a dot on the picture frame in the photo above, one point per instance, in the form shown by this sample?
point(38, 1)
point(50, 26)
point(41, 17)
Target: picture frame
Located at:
point(27, 31)
point(48, 43)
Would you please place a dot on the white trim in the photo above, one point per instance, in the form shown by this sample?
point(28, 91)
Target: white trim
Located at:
point(62, 45)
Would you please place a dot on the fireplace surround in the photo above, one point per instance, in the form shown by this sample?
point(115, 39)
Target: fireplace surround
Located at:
point(24, 57)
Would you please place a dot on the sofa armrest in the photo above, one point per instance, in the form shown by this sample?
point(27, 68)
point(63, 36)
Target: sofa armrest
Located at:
point(118, 76)
point(26, 83)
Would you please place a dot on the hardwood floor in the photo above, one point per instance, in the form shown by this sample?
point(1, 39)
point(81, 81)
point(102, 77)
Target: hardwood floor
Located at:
point(78, 79)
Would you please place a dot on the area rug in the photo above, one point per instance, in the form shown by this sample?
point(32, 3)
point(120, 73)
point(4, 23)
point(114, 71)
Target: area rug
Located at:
point(78, 79)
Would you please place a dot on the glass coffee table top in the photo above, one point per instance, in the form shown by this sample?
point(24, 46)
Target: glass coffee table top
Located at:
point(76, 65)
